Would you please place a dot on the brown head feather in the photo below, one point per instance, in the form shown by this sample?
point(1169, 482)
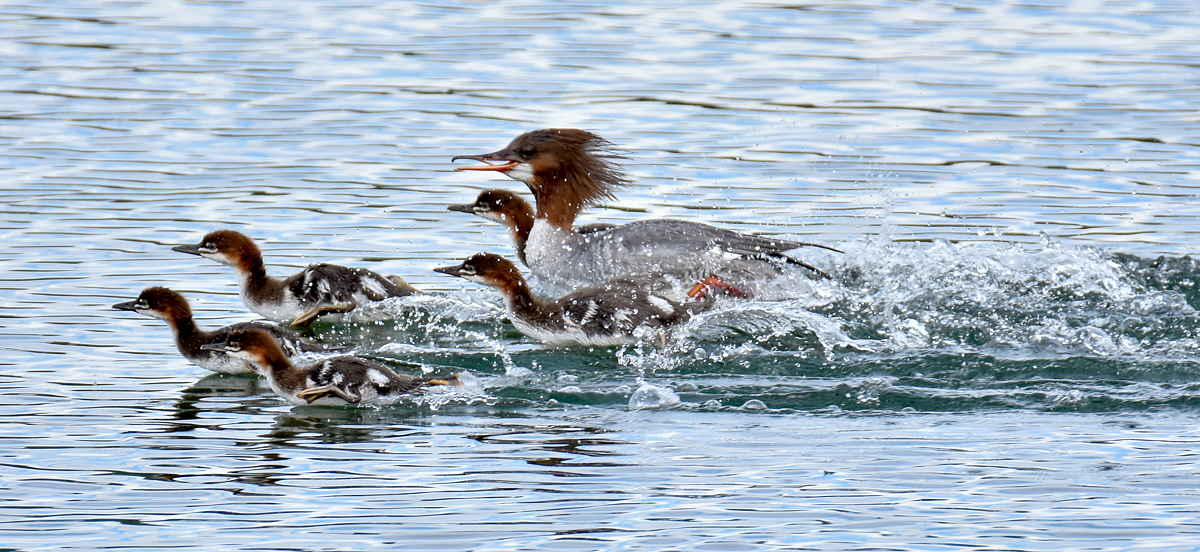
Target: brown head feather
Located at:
point(572, 169)
point(232, 247)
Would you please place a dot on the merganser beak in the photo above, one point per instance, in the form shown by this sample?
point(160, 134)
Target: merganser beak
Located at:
point(470, 208)
point(490, 159)
point(189, 249)
point(213, 347)
point(456, 270)
point(128, 305)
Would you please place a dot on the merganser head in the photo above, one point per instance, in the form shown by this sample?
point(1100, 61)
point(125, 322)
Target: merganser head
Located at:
point(487, 269)
point(253, 345)
point(226, 247)
point(159, 302)
point(500, 206)
point(567, 169)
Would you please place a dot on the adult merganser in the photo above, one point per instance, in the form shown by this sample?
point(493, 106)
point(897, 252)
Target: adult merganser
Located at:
point(514, 212)
point(301, 298)
point(335, 381)
point(569, 169)
point(599, 316)
point(164, 304)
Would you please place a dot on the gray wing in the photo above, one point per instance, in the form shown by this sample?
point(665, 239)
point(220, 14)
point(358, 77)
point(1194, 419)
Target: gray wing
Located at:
point(679, 232)
point(326, 283)
point(667, 238)
point(618, 308)
point(356, 374)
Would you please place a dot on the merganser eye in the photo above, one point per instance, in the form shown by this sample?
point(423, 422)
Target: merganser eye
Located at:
point(527, 151)
point(468, 269)
point(233, 346)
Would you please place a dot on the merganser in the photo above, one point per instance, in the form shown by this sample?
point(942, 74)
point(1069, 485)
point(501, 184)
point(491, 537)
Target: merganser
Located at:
point(599, 316)
point(570, 169)
point(514, 212)
point(164, 304)
point(300, 299)
point(334, 381)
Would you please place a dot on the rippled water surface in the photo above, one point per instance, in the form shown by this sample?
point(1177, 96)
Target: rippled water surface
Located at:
point(1006, 358)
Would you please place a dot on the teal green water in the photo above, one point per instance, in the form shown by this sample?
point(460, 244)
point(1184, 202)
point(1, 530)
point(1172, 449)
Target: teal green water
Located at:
point(1006, 358)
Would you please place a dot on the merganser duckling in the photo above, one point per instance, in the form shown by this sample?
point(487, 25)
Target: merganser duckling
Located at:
point(300, 299)
point(514, 212)
point(334, 381)
point(164, 304)
point(570, 169)
point(599, 316)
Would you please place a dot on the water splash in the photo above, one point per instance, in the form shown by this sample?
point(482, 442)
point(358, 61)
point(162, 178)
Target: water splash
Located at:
point(648, 397)
point(896, 298)
point(470, 390)
point(932, 325)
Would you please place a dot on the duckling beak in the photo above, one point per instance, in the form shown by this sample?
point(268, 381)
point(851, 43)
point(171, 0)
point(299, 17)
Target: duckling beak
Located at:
point(127, 306)
point(213, 347)
point(451, 270)
point(489, 159)
point(462, 208)
point(189, 249)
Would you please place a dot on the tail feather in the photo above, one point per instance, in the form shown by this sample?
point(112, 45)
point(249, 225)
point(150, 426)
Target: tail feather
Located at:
point(400, 283)
point(790, 245)
point(798, 262)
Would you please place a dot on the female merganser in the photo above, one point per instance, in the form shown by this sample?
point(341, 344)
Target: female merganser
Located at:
point(164, 304)
point(569, 169)
point(300, 299)
point(514, 212)
point(335, 381)
point(600, 316)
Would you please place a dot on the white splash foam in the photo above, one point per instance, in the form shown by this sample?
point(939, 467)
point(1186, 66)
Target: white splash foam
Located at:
point(652, 397)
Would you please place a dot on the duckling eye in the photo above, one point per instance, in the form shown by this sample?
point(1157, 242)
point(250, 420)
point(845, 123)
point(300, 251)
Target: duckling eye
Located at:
point(233, 346)
point(141, 304)
point(527, 151)
point(208, 246)
point(468, 269)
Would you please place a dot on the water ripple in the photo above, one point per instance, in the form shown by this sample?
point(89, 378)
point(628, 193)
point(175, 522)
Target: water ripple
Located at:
point(1008, 352)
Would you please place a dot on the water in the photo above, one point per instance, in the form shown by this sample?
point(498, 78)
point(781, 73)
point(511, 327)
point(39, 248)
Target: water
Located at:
point(1006, 359)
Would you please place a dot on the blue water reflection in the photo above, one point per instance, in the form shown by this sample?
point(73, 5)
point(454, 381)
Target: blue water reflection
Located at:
point(1006, 359)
